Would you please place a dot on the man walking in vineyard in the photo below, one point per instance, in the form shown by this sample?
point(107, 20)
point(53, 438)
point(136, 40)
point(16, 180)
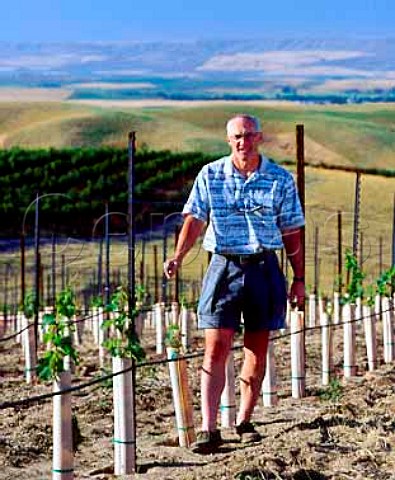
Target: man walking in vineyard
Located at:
point(251, 208)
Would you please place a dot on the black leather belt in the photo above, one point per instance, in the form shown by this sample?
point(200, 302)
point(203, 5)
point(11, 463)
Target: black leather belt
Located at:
point(245, 259)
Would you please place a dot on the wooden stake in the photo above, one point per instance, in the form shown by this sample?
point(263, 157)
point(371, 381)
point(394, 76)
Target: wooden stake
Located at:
point(181, 397)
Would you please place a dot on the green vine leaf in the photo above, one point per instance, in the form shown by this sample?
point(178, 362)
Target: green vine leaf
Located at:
point(97, 302)
point(385, 283)
point(173, 336)
point(49, 319)
point(123, 342)
point(58, 337)
point(29, 305)
point(355, 286)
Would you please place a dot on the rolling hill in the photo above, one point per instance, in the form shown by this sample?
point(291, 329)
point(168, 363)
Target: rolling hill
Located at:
point(347, 135)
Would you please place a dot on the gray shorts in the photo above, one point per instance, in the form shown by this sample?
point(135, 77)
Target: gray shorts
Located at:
point(256, 289)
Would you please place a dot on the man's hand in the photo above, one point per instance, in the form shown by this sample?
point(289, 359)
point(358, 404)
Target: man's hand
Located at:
point(170, 267)
point(297, 294)
point(190, 231)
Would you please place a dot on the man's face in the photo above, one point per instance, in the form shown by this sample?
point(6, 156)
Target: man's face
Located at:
point(243, 139)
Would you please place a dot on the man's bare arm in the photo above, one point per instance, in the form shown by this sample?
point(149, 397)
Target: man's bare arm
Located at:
point(189, 233)
point(292, 240)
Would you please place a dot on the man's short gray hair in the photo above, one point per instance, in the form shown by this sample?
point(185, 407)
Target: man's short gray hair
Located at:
point(254, 120)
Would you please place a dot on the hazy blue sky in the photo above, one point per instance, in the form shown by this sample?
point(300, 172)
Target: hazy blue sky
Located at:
point(93, 20)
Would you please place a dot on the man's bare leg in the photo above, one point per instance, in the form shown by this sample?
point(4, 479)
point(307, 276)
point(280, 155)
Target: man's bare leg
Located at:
point(217, 346)
point(252, 372)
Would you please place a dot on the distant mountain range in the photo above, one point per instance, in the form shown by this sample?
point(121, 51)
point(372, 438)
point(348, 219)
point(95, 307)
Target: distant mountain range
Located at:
point(353, 69)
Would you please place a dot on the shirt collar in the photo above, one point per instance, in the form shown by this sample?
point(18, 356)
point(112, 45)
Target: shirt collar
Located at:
point(229, 169)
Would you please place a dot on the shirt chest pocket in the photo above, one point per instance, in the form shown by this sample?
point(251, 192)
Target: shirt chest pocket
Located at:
point(260, 202)
point(246, 199)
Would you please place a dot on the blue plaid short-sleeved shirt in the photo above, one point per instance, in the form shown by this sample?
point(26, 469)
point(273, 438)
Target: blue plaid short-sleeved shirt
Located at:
point(244, 215)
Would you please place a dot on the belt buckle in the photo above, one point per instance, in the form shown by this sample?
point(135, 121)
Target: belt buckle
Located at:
point(244, 259)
